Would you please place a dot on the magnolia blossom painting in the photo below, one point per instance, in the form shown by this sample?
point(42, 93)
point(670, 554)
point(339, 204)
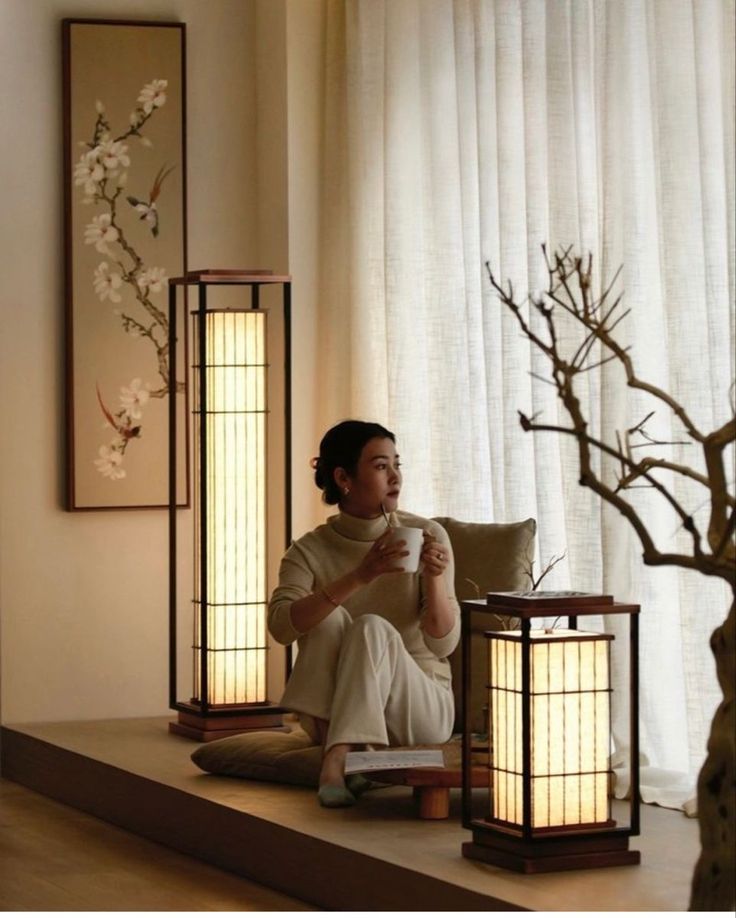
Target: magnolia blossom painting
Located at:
point(125, 228)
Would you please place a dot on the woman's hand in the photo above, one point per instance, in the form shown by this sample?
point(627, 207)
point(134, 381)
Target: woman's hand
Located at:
point(434, 557)
point(439, 615)
point(384, 557)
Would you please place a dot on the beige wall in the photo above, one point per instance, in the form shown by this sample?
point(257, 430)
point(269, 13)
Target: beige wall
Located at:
point(83, 596)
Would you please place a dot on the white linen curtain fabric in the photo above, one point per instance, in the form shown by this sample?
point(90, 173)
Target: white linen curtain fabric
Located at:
point(470, 131)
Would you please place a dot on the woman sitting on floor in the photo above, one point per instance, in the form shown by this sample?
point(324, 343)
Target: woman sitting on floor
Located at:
point(373, 640)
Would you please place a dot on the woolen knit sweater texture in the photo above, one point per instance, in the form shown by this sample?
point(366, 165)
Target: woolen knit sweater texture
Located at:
point(338, 546)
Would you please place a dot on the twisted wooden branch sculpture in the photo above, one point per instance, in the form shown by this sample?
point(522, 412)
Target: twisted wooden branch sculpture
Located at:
point(713, 552)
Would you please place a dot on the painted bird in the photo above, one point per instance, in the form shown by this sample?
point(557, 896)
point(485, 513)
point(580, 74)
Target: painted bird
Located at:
point(147, 209)
point(126, 432)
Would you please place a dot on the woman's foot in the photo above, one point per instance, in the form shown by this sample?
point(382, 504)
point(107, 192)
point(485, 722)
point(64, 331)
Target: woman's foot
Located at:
point(335, 795)
point(358, 784)
point(332, 790)
point(333, 765)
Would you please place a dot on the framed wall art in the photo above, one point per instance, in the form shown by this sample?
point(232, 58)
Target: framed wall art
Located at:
point(125, 235)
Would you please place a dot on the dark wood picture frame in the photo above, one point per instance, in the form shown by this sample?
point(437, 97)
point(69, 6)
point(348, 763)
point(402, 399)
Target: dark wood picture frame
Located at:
point(124, 86)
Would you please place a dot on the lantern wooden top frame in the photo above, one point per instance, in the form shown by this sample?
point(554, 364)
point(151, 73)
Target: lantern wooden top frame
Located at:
point(525, 848)
point(230, 276)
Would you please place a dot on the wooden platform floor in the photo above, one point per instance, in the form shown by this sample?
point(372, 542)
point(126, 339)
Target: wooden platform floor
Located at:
point(55, 858)
point(375, 856)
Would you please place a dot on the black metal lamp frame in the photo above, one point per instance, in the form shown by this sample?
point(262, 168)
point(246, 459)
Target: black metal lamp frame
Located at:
point(198, 718)
point(526, 849)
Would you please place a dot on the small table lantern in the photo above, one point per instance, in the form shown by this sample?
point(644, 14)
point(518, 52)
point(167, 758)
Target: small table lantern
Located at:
point(549, 790)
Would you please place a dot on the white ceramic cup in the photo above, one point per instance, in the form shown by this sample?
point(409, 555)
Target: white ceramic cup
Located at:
point(414, 539)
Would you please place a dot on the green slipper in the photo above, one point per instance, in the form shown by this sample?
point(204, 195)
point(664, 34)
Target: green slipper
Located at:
point(334, 795)
point(358, 784)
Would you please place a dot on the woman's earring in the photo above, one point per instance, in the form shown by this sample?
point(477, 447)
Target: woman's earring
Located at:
point(346, 491)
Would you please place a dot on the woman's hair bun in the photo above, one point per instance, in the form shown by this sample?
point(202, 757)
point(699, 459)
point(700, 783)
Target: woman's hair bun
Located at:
point(319, 472)
point(341, 447)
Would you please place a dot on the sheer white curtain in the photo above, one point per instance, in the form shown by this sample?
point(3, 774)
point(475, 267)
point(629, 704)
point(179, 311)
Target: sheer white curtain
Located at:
point(470, 131)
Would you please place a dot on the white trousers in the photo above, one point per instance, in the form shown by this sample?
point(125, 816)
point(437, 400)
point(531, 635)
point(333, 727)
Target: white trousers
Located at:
point(358, 675)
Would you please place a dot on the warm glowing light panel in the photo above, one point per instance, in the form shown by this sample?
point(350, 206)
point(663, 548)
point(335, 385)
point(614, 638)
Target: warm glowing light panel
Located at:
point(235, 501)
point(569, 728)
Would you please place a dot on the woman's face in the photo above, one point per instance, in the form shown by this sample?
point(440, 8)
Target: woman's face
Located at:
point(376, 481)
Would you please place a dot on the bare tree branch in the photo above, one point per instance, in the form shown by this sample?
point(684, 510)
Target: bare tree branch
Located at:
point(563, 268)
point(652, 555)
point(529, 569)
point(569, 285)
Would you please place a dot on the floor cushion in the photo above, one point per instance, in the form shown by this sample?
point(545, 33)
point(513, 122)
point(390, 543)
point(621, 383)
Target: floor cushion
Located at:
point(264, 755)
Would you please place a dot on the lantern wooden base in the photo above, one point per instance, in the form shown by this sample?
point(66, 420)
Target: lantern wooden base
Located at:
point(551, 854)
point(206, 728)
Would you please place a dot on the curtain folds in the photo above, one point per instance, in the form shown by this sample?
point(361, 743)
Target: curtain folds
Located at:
point(459, 133)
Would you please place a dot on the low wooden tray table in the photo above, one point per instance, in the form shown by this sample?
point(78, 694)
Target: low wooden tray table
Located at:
point(431, 785)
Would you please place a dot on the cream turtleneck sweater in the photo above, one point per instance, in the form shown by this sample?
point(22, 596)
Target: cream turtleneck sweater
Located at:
point(338, 546)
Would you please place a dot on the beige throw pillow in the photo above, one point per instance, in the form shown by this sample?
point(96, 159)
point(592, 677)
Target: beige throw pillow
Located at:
point(495, 557)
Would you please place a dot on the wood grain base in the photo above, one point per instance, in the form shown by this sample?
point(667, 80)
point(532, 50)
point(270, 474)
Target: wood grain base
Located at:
point(205, 728)
point(548, 862)
point(562, 854)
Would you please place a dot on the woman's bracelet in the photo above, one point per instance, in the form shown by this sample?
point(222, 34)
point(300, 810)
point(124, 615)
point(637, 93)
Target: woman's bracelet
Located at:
point(329, 598)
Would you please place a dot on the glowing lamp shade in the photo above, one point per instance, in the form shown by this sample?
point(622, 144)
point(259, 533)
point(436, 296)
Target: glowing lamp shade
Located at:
point(569, 726)
point(221, 670)
point(235, 508)
point(548, 801)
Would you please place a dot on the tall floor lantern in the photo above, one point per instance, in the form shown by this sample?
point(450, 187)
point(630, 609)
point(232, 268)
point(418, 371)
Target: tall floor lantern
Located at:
point(219, 548)
point(549, 802)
